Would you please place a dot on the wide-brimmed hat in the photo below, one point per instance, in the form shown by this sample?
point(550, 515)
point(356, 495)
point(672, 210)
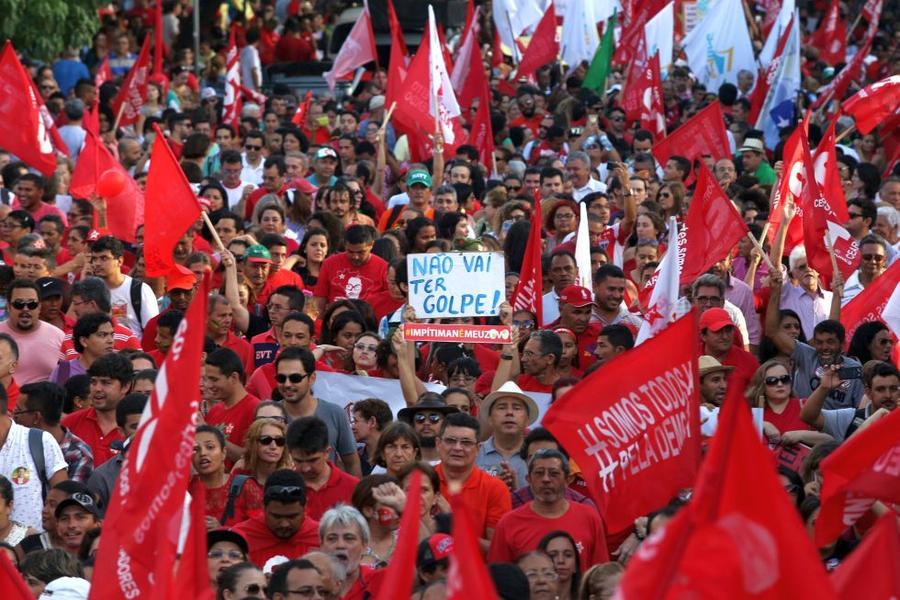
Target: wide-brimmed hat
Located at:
point(408, 414)
point(753, 145)
point(708, 364)
point(508, 390)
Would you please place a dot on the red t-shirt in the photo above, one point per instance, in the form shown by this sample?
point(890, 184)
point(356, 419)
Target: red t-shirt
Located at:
point(123, 338)
point(243, 349)
point(485, 496)
point(531, 384)
point(264, 545)
point(84, 424)
point(262, 382)
point(337, 489)
point(521, 530)
point(277, 279)
point(234, 421)
point(789, 419)
point(340, 279)
point(249, 503)
point(216, 499)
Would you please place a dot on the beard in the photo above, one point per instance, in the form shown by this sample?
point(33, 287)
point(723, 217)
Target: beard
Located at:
point(428, 442)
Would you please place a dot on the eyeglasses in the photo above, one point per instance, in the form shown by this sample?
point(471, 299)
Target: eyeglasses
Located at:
point(465, 444)
point(708, 299)
point(365, 347)
point(267, 440)
point(310, 592)
point(433, 418)
point(23, 304)
point(232, 554)
point(854, 215)
point(783, 379)
point(293, 377)
point(249, 147)
point(547, 575)
point(877, 258)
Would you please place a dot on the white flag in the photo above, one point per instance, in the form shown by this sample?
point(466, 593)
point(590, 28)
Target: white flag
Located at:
point(891, 312)
point(662, 308)
point(659, 33)
point(357, 50)
point(441, 89)
point(784, 17)
point(463, 58)
point(512, 17)
point(719, 46)
point(583, 250)
point(579, 33)
point(779, 109)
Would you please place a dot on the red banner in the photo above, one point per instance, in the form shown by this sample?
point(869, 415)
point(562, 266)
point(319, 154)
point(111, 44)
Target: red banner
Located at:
point(703, 134)
point(633, 426)
point(144, 519)
point(871, 569)
point(870, 302)
point(872, 105)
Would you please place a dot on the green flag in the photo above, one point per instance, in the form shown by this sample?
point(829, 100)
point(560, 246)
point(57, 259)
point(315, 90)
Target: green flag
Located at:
point(595, 79)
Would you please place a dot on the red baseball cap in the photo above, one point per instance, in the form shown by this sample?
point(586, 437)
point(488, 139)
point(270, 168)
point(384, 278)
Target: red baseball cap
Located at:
point(715, 319)
point(433, 549)
point(303, 185)
point(576, 296)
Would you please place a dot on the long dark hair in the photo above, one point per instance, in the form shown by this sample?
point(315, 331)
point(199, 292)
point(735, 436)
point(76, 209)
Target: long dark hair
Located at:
point(767, 348)
point(576, 576)
point(862, 338)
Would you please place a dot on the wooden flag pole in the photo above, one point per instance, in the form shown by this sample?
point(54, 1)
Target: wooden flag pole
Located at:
point(212, 230)
point(387, 117)
point(830, 246)
point(759, 248)
point(119, 116)
point(845, 133)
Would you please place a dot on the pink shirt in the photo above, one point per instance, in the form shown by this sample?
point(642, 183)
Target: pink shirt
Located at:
point(38, 351)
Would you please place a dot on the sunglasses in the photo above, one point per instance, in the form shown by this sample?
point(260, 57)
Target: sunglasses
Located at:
point(878, 258)
point(249, 147)
point(283, 492)
point(267, 440)
point(23, 304)
point(366, 347)
point(433, 418)
point(785, 379)
point(254, 589)
point(293, 377)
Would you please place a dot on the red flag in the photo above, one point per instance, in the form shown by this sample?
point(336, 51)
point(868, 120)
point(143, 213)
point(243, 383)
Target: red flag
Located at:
point(633, 426)
point(544, 46)
point(529, 291)
point(703, 134)
point(829, 178)
point(653, 112)
point(399, 60)
point(22, 129)
point(49, 124)
point(192, 578)
point(158, 46)
point(711, 229)
point(104, 73)
point(125, 210)
point(831, 36)
point(475, 83)
point(632, 34)
point(468, 577)
point(869, 304)
point(257, 97)
point(92, 119)
point(872, 105)
point(12, 586)
point(481, 135)
point(765, 78)
point(863, 470)
point(871, 569)
point(400, 572)
point(632, 100)
point(146, 508)
point(299, 118)
point(231, 106)
point(130, 98)
point(357, 50)
point(739, 537)
point(790, 187)
point(173, 209)
point(396, 31)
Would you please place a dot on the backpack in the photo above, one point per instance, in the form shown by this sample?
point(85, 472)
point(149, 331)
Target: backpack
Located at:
point(36, 447)
point(234, 490)
point(136, 299)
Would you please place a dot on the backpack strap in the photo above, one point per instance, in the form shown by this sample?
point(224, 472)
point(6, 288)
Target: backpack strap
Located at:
point(36, 447)
point(136, 299)
point(234, 490)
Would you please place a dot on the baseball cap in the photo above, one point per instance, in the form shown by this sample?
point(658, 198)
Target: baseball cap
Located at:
point(576, 296)
point(326, 152)
point(257, 253)
point(180, 281)
point(85, 501)
point(49, 287)
point(418, 177)
point(304, 185)
point(715, 319)
point(67, 588)
point(207, 93)
point(434, 549)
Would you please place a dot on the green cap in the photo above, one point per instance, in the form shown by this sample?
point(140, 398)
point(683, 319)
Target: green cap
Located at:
point(257, 253)
point(420, 177)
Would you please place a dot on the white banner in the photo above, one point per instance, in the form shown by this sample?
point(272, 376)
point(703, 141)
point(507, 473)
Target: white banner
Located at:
point(719, 46)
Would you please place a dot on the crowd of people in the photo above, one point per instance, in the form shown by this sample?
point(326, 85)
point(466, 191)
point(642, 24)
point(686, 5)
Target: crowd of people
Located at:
point(304, 495)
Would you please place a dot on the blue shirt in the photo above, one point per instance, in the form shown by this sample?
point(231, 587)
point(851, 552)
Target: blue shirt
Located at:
point(67, 72)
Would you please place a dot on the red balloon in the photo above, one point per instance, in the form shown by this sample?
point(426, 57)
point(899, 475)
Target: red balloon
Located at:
point(111, 183)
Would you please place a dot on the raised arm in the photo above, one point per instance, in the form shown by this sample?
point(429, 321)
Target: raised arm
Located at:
point(410, 384)
point(437, 175)
point(782, 340)
point(508, 368)
point(380, 151)
point(241, 314)
point(630, 209)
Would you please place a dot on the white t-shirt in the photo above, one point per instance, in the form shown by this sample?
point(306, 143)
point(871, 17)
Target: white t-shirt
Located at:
point(17, 465)
point(123, 311)
point(252, 174)
point(234, 194)
point(249, 61)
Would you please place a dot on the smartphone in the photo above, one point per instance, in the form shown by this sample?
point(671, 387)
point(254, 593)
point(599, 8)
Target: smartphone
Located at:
point(592, 119)
point(845, 373)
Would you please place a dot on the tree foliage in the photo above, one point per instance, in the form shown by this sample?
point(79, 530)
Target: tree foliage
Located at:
point(43, 28)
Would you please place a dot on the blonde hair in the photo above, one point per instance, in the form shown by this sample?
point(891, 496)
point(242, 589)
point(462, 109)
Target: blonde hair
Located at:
point(757, 386)
point(251, 456)
point(597, 577)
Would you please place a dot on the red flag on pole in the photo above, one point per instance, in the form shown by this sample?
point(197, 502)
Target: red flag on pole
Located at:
point(125, 210)
point(529, 291)
point(399, 59)
point(633, 426)
point(831, 36)
point(739, 537)
point(711, 229)
point(475, 83)
point(703, 134)
point(829, 178)
point(192, 578)
point(653, 112)
point(357, 50)
point(468, 577)
point(12, 586)
point(482, 135)
point(873, 104)
point(49, 124)
point(173, 209)
point(299, 118)
point(130, 98)
point(870, 571)
point(146, 507)
point(790, 187)
point(544, 46)
point(863, 470)
point(22, 129)
point(631, 93)
point(158, 46)
point(869, 304)
point(104, 73)
point(231, 106)
point(400, 572)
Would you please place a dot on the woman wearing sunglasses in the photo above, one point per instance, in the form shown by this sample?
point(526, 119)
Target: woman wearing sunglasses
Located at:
point(770, 389)
point(241, 581)
point(363, 359)
point(264, 453)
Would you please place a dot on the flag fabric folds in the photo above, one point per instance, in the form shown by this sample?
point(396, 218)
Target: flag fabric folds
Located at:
point(529, 291)
point(357, 50)
point(778, 110)
point(873, 104)
point(871, 303)
point(662, 305)
point(719, 46)
point(595, 78)
point(231, 105)
point(653, 112)
point(468, 576)
point(878, 555)
point(702, 134)
point(401, 571)
point(579, 38)
point(831, 36)
point(544, 46)
point(131, 96)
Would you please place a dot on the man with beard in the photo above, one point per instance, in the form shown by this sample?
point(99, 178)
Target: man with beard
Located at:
point(426, 417)
point(713, 387)
point(283, 528)
point(609, 293)
point(811, 360)
point(344, 534)
point(520, 530)
point(223, 378)
point(297, 330)
point(38, 341)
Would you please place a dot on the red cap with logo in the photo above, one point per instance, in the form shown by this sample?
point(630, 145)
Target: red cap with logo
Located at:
point(576, 296)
